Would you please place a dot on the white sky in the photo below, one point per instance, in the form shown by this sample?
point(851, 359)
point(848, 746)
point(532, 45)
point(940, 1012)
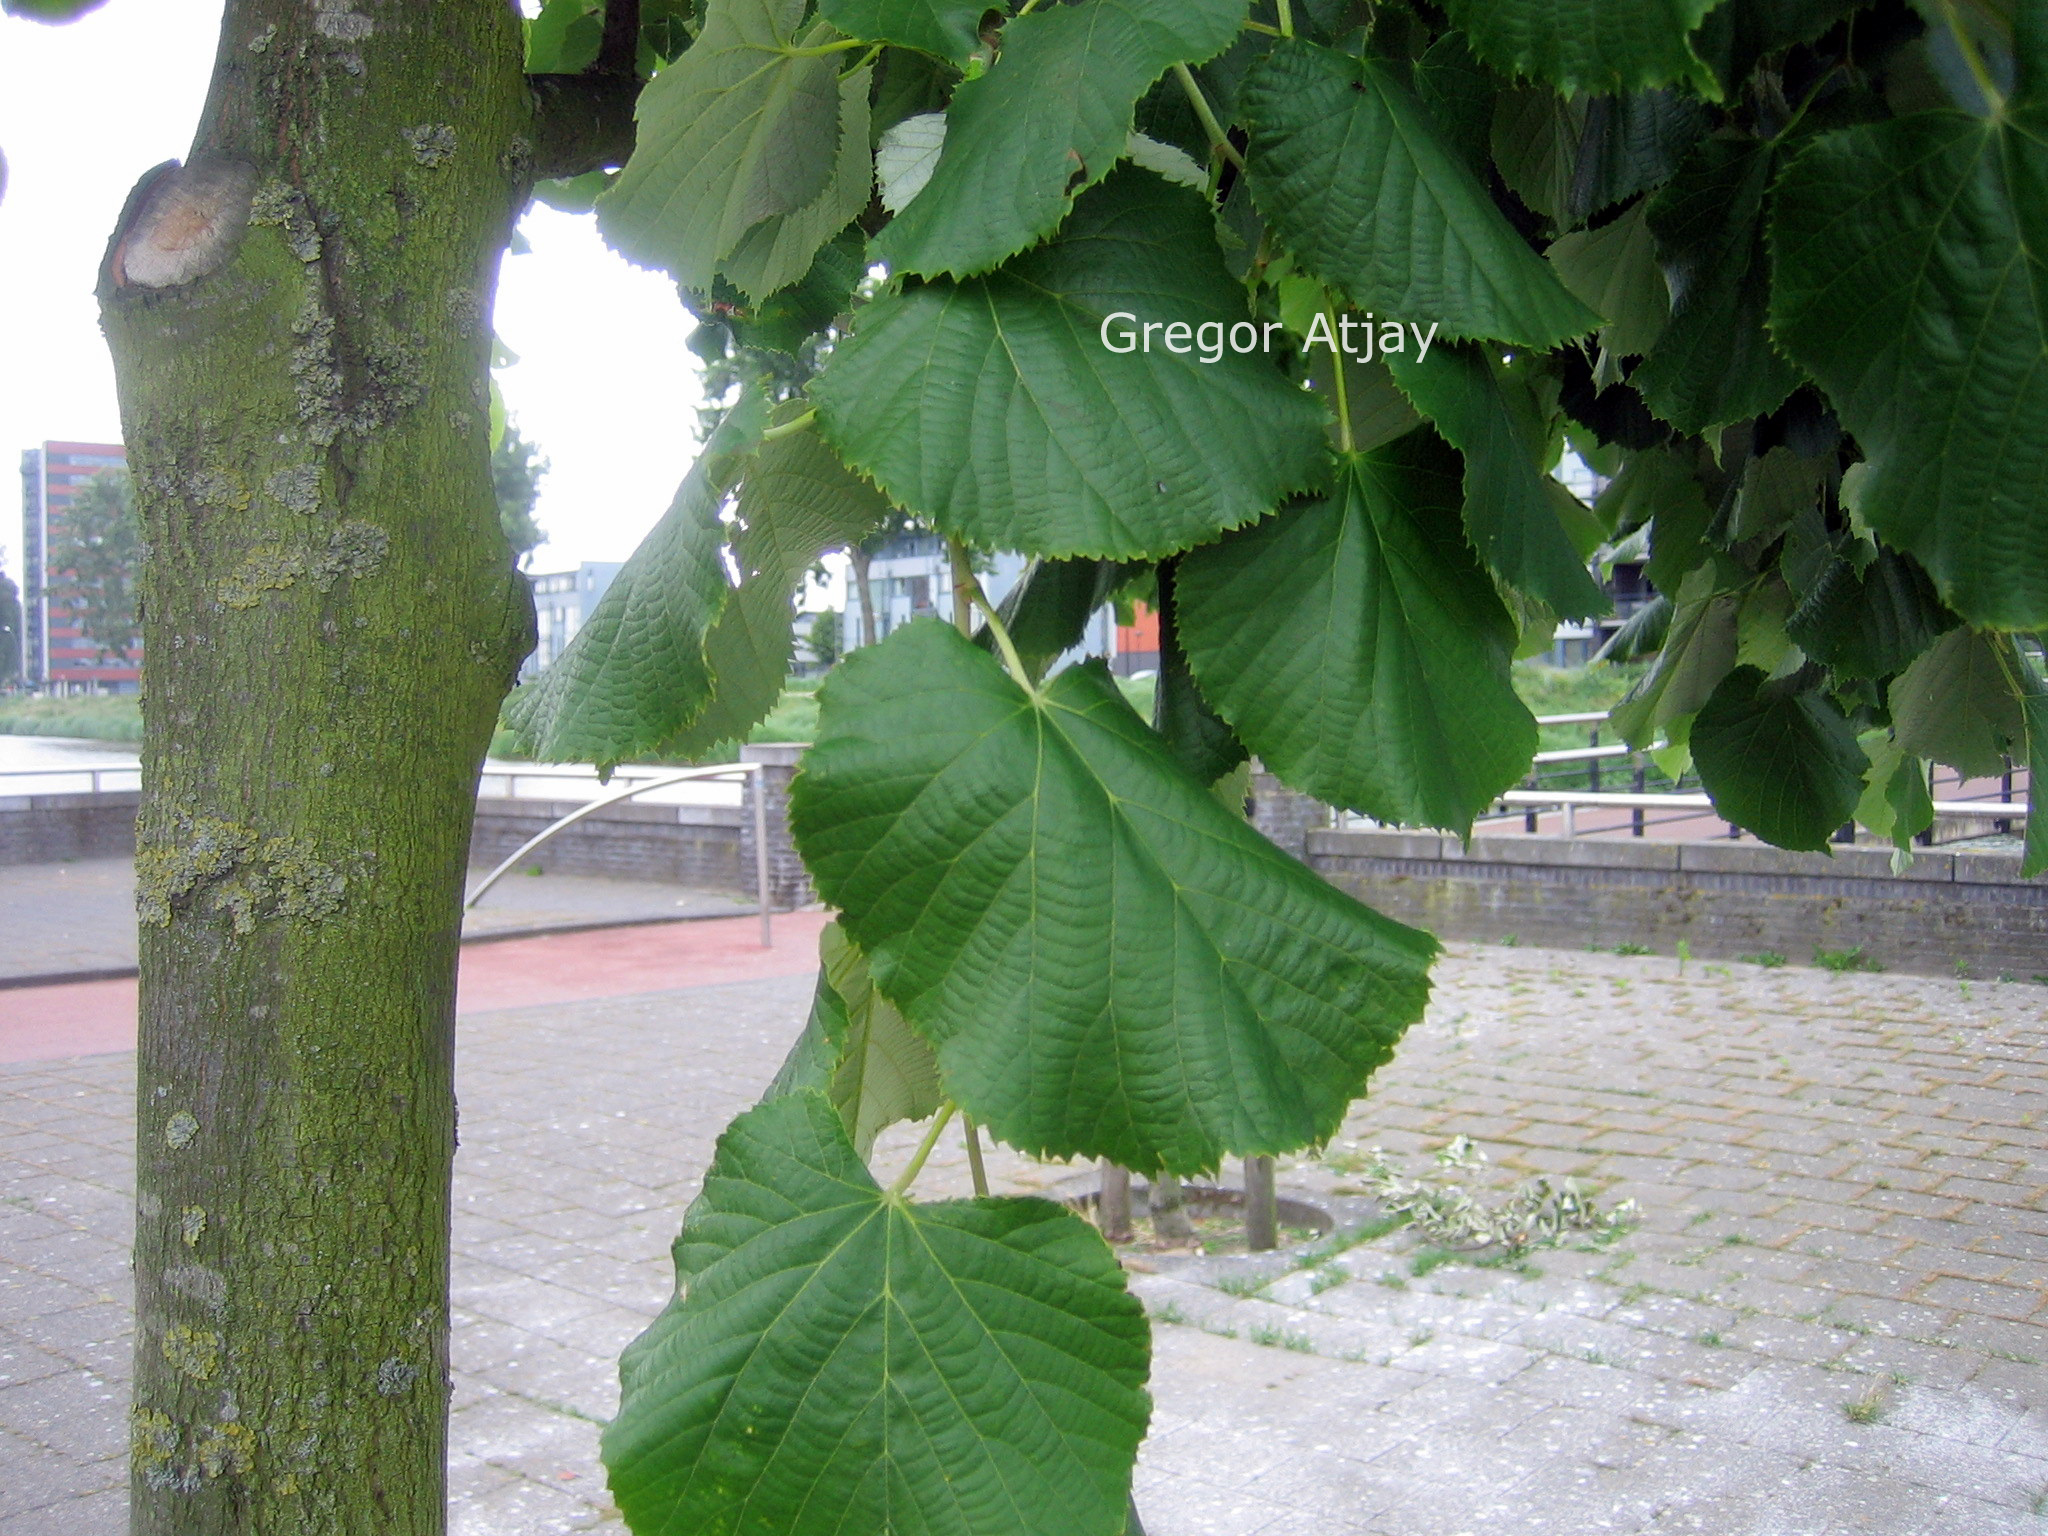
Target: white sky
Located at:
point(605, 384)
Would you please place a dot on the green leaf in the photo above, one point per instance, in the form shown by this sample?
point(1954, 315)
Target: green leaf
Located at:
point(858, 1050)
point(1737, 34)
point(1959, 704)
point(737, 130)
point(636, 672)
point(1911, 281)
point(1699, 651)
point(564, 38)
point(797, 502)
point(1870, 623)
point(1379, 412)
point(1614, 271)
point(1600, 46)
point(780, 249)
point(1109, 963)
point(844, 1361)
point(1777, 760)
point(2034, 859)
point(1358, 648)
point(1631, 144)
point(1459, 92)
point(1775, 487)
point(1509, 513)
point(1200, 740)
point(1896, 805)
point(785, 321)
point(1535, 143)
point(1714, 362)
point(1052, 116)
point(1356, 183)
point(907, 155)
point(993, 407)
point(1047, 612)
point(950, 29)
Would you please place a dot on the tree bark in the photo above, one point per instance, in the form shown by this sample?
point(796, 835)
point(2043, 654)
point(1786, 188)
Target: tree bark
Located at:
point(300, 321)
point(861, 560)
point(1113, 1203)
point(1167, 1203)
point(1261, 1212)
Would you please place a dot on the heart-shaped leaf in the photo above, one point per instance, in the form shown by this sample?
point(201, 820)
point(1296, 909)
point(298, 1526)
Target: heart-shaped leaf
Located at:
point(1911, 281)
point(1596, 46)
point(1109, 963)
point(1052, 116)
point(844, 1361)
point(1779, 760)
point(1356, 182)
point(1358, 648)
point(1003, 408)
point(743, 127)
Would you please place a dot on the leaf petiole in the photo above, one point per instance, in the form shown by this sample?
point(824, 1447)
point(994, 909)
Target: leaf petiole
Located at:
point(1286, 13)
point(820, 50)
point(964, 580)
point(1346, 443)
point(1219, 142)
point(791, 427)
point(931, 1139)
point(975, 1166)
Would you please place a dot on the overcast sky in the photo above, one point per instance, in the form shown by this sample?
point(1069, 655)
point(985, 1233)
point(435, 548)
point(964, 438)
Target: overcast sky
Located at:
point(604, 384)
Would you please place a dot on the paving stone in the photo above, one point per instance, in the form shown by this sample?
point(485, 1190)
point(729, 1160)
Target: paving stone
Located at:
point(1768, 1107)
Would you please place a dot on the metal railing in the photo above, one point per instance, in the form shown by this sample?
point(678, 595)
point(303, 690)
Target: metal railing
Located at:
point(1684, 798)
point(640, 787)
point(507, 781)
point(93, 773)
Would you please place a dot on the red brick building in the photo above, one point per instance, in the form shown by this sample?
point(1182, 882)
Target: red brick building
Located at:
point(56, 657)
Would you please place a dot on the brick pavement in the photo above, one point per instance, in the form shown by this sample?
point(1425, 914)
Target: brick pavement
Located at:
point(1841, 1180)
point(79, 915)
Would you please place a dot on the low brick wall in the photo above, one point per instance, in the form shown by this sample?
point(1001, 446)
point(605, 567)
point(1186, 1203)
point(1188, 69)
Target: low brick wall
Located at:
point(1724, 899)
point(692, 845)
point(43, 829)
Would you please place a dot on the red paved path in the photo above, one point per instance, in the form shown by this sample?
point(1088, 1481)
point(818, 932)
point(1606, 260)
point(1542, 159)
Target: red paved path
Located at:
point(92, 1018)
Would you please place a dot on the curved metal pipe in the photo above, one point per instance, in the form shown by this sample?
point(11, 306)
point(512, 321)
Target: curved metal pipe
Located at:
point(716, 771)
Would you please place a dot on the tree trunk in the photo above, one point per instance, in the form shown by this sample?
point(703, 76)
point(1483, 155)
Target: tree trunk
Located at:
point(300, 321)
point(861, 559)
point(1167, 1203)
point(1261, 1211)
point(1113, 1204)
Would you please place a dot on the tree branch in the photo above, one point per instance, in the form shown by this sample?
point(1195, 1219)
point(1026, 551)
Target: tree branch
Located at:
point(585, 122)
point(619, 53)
point(581, 122)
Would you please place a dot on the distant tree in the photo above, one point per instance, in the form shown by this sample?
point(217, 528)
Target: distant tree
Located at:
point(824, 639)
point(10, 631)
point(516, 470)
point(93, 563)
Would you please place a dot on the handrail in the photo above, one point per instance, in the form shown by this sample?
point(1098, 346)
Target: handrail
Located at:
point(91, 770)
point(1569, 801)
point(1591, 717)
point(640, 787)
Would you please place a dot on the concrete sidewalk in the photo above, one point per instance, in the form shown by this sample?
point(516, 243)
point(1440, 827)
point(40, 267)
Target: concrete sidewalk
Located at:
point(1829, 1320)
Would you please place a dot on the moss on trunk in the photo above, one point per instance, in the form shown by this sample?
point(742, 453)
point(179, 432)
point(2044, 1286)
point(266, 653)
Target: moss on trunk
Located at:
point(300, 325)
